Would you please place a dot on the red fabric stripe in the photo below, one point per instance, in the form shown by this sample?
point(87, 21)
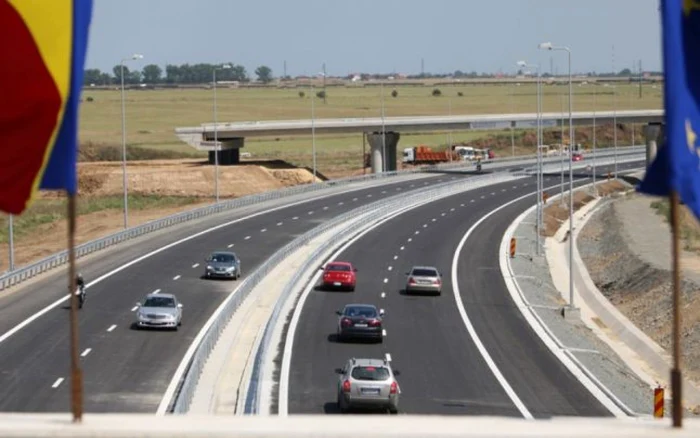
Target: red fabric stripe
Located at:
point(29, 110)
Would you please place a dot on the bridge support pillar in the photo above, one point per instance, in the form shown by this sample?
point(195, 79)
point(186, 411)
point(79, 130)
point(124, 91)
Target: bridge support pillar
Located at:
point(654, 134)
point(230, 152)
point(383, 148)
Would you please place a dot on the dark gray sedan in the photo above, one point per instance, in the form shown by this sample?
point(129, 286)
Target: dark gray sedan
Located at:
point(223, 264)
point(360, 321)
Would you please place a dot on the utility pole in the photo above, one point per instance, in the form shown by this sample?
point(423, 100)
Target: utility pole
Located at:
point(640, 78)
point(324, 83)
point(422, 68)
point(285, 70)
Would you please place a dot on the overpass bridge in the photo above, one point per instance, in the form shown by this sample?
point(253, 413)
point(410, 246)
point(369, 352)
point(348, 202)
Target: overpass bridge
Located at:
point(231, 136)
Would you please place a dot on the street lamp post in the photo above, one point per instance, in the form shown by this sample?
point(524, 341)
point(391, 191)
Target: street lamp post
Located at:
point(549, 46)
point(313, 131)
point(12, 244)
point(540, 181)
point(216, 133)
point(126, 199)
point(384, 166)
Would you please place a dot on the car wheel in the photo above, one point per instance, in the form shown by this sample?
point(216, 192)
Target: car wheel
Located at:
point(393, 411)
point(342, 407)
point(380, 340)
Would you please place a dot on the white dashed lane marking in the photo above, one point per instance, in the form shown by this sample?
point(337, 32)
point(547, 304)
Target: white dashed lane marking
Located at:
point(263, 230)
point(388, 357)
point(386, 280)
point(195, 265)
point(247, 238)
point(410, 239)
point(383, 192)
point(86, 352)
point(325, 208)
point(57, 383)
point(396, 257)
point(112, 327)
point(295, 218)
point(425, 225)
point(402, 248)
point(177, 277)
point(390, 268)
point(158, 290)
point(311, 212)
point(279, 224)
point(384, 332)
point(230, 245)
point(134, 308)
point(341, 203)
point(383, 294)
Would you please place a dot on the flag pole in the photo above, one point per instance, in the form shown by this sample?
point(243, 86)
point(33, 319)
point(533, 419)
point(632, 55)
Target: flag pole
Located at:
point(76, 372)
point(676, 383)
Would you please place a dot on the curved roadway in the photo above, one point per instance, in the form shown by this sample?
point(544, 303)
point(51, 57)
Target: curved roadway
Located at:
point(126, 370)
point(442, 368)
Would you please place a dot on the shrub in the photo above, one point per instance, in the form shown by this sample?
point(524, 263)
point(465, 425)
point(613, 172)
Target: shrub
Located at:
point(460, 94)
point(90, 99)
point(437, 92)
point(394, 93)
point(302, 94)
point(321, 94)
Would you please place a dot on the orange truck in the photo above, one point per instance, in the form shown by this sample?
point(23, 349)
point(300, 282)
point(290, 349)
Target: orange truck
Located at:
point(425, 155)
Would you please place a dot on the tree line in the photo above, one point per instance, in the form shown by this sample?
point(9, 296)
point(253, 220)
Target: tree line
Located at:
point(175, 74)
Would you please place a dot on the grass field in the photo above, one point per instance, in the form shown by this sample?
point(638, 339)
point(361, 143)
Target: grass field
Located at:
point(152, 115)
point(45, 211)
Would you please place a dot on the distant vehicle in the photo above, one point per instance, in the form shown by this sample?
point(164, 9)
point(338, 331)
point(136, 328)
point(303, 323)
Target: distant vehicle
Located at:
point(368, 383)
point(360, 321)
point(424, 279)
point(223, 264)
point(339, 275)
point(159, 311)
point(576, 156)
point(425, 155)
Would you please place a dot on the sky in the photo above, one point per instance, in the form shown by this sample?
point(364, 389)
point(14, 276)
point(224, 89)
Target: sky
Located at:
point(378, 36)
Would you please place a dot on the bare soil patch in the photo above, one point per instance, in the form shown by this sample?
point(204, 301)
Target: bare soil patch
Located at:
point(557, 212)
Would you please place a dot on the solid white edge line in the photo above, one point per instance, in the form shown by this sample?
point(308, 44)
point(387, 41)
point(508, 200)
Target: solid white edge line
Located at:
point(59, 301)
point(285, 367)
point(283, 394)
point(470, 328)
point(540, 328)
point(57, 383)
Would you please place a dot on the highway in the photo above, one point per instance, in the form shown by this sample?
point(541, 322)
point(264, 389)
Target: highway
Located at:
point(442, 368)
point(126, 370)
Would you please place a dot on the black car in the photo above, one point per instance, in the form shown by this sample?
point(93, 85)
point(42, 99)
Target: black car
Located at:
point(360, 321)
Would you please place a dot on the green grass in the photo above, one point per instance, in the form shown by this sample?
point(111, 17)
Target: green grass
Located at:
point(690, 228)
point(152, 115)
point(45, 211)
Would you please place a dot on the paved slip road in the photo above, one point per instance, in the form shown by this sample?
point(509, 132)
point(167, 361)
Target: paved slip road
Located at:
point(442, 371)
point(127, 370)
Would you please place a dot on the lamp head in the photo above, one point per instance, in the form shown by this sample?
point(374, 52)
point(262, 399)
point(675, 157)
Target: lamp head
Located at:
point(226, 66)
point(136, 56)
point(521, 64)
point(546, 46)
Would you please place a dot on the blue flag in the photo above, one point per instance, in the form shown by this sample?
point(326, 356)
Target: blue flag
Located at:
point(677, 164)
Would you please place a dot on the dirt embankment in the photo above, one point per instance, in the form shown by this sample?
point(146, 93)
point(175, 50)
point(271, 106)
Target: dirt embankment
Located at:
point(186, 178)
point(626, 248)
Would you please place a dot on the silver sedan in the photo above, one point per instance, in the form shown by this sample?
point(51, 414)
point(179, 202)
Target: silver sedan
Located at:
point(424, 279)
point(159, 311)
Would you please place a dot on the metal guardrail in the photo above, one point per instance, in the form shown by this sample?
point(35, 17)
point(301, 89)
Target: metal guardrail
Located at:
point(12, 278)
point(182, 396)
point(381, 210)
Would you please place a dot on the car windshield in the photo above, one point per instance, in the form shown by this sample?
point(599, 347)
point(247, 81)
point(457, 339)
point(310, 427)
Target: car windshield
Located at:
point(222, 258)
point(342, 268)
point(159, 302)
point(424, 273)
point(370, 373)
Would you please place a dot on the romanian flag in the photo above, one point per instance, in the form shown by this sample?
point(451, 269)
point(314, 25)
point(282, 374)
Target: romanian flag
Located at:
point(43, 57)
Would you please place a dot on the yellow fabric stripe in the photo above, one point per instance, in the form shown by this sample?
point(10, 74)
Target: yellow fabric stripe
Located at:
point(51, 25)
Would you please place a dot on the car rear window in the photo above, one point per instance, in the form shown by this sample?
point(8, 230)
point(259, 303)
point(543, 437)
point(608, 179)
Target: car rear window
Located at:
point(424, 273)
point(344, 268)
point(365, 311)
point(370, 373)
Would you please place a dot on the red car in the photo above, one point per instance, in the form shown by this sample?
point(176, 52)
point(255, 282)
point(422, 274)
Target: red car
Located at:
point(576, 157)
point(339, 275)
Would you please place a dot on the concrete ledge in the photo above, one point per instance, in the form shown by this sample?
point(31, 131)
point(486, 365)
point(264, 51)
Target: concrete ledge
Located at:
point(137, 426)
